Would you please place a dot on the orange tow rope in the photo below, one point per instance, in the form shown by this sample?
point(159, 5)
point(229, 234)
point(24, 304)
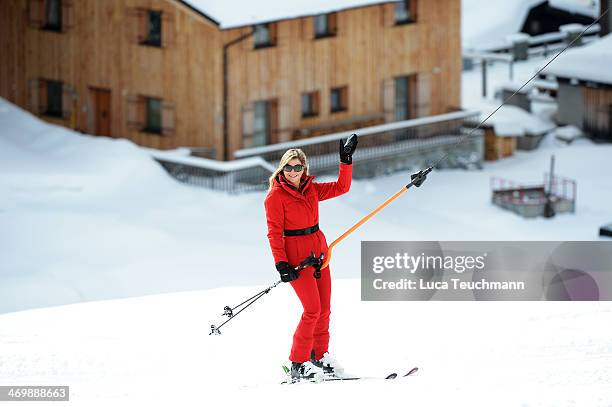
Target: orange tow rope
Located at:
point(417, 180)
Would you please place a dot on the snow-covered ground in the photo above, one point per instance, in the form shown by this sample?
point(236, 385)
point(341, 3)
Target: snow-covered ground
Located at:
point(156, 351)
point(88, 218)
point(85, 219)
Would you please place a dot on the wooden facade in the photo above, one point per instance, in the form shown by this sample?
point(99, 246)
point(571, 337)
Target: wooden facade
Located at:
point(368, 51)
point(106, 73)
point(111, 79)
point(498, 147)
point(598, 111)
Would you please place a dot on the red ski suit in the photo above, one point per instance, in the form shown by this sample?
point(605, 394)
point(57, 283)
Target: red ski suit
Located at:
point(290, 208)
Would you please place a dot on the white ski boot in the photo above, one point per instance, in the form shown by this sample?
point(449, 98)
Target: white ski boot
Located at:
point(329, 364)
point(306, 370)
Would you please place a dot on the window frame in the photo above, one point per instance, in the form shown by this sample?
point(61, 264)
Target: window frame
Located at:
point(270, 35)
point(409, 10)
point(331, 27)
point(55, 27)
point(55, 99)
point(406, 79)
point(313, 104)
point(148, 128)
point(149, 40)
point(342, 99)
point(267, 130)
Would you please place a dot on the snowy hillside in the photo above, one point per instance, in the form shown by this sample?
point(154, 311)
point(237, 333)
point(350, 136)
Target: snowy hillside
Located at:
point(88, 218)
point(156, 351)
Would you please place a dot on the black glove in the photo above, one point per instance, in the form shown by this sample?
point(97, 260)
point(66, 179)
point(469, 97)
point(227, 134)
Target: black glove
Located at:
point(286, 272)
point(347, 149)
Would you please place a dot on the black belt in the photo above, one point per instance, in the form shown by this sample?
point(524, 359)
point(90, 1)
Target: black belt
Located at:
point(301, 232)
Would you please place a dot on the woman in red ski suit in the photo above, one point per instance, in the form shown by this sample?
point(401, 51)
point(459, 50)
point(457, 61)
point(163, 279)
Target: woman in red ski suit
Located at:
point(292, 213)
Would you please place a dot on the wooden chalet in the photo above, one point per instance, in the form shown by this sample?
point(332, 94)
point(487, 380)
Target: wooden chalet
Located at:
point(585, 88)
point(174, 73)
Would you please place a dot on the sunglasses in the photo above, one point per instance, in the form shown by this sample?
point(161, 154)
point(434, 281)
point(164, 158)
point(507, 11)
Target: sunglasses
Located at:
point(296, 168)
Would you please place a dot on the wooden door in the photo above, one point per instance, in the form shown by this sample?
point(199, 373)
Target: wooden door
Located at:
point(102, 112)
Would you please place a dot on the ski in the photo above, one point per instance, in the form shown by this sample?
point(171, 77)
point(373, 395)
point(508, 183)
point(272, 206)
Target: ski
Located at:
point(391, 376)
point(332, 377)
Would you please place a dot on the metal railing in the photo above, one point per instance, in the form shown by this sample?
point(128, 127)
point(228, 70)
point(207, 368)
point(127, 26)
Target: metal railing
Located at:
point(384, 149)
point(545, 43)
point(389, 147)
point(238, 176)
point(529, 200)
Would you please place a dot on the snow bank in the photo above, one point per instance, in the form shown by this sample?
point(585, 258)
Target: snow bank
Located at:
point(591, 62)
point(33, 148)
point(568, 134)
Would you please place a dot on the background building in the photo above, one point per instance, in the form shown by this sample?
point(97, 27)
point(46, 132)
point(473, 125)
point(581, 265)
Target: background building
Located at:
point(169, 73)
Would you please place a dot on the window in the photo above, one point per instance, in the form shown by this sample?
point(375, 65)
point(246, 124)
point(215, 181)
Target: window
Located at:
point(264, 35)
point(53, 14)
point(153, 35)
point(150, 114)
point(50, 15)
point(405, 12)
point(339, 99)
point(325, 25)
point(402, 98)
point(54, 99)
point(153, 115)
point(261, 124)
point(50, 98)
point(310, 104)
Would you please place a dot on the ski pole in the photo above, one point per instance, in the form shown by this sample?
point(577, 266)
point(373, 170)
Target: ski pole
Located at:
point(229, 311)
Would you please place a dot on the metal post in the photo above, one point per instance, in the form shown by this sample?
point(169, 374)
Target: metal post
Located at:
point(551, 174)
point(511, 70)
point(484, 78)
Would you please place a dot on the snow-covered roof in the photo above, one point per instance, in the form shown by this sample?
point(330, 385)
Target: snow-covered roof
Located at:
point(239, 13)
point(514, 86)
point(514, 121)
point(182, 156)
point(584, 7)
point(486, 24)
point(589, 63)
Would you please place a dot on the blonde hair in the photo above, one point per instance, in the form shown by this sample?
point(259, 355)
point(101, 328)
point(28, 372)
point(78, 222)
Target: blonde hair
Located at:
point(288, 156)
